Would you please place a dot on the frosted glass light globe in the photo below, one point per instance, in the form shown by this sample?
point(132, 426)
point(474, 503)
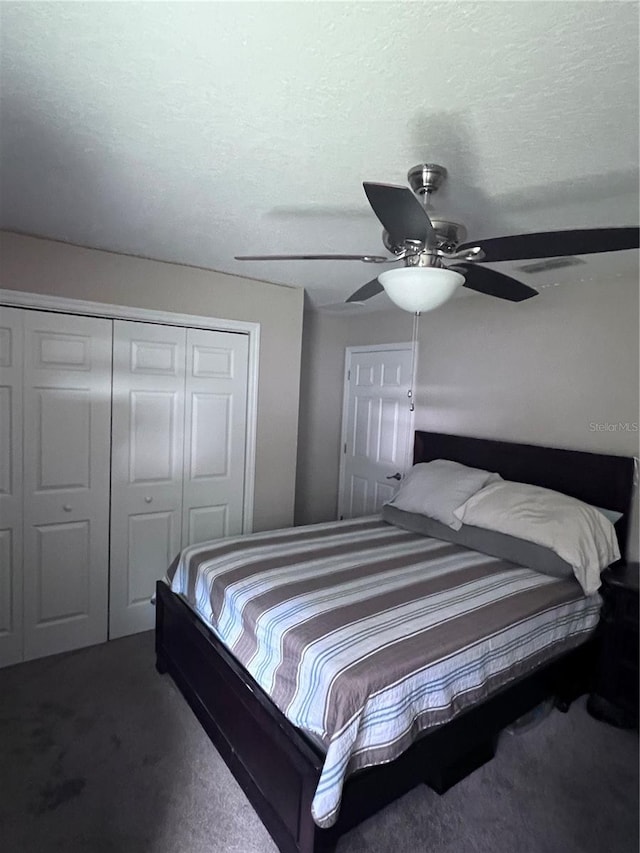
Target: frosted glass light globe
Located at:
point(420, 288)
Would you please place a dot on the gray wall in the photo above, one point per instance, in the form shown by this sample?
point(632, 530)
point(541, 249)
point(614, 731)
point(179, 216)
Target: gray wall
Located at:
point(547, 371)
point(321, 387)
point(44, 266)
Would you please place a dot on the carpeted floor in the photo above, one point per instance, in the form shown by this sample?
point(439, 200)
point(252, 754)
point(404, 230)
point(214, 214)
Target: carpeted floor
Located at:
point(99, 754)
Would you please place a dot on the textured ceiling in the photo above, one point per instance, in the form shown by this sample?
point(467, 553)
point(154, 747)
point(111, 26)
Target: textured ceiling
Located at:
point(191, 132)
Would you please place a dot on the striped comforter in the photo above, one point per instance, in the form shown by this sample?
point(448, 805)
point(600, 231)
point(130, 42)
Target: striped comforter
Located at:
point(364, 634)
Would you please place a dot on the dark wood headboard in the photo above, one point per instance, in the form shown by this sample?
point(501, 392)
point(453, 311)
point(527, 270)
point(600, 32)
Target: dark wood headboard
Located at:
point(597, 479)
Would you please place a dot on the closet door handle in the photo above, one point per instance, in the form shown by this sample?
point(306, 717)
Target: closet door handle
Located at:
point(148, 499)
point(67, 508)
point(396, 476)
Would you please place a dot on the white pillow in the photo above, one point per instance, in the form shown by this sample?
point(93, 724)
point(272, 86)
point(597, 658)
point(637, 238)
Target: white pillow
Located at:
point(436, 488)
point(577, 532)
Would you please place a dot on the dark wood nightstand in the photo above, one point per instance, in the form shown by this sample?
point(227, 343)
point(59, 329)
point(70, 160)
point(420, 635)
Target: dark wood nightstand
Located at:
point(615, 693)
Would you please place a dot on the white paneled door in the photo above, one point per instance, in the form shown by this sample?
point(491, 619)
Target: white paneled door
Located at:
point(147, 467)
point(179, 438)
point(215, 432)
point(10, 485)
point(377, 426)
point(67, 436)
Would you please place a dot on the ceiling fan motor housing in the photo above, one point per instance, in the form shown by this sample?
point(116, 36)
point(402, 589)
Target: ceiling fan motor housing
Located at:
point(449, 234)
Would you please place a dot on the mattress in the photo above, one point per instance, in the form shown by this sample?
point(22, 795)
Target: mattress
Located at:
point(364, 634)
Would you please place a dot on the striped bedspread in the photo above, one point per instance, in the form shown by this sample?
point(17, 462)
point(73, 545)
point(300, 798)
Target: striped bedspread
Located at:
point(364, 634)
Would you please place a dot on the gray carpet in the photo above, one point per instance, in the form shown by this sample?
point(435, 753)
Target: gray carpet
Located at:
point(99, 754)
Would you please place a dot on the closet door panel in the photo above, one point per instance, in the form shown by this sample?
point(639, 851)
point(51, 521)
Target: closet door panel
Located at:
point(147, 463)
point(215, 434)
point(62, 553)
point(11, 320)
point(67, 434)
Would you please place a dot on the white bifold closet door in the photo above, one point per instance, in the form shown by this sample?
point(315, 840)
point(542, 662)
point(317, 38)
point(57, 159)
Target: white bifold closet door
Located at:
point(10, 485)
point(67, 440)
point(179, 424)
point(146, 467)
point(215, 433)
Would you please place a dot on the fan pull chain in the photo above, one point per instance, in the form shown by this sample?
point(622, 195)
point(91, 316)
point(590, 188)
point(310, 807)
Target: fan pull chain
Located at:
point(414, 346)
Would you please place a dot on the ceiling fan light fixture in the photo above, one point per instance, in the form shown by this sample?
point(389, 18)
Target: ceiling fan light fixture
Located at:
point(418, 289)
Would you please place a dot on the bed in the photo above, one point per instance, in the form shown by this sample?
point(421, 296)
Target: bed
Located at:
point(279, 766)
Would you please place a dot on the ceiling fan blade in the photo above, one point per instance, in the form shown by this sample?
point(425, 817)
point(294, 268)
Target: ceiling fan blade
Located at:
point(371, 288)
point(493, 283)
point(367, 259)
point(400, 213)
point(553, 244)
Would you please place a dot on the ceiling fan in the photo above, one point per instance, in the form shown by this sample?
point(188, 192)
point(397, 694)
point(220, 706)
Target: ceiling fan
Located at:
point(436, 257)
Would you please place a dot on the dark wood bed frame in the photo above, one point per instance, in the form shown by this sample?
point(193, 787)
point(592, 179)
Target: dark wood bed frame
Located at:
point(278, 767)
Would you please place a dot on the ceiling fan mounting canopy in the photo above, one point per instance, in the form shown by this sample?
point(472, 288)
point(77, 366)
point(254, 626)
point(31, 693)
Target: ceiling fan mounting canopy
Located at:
point(414, 234)
point(426, 178)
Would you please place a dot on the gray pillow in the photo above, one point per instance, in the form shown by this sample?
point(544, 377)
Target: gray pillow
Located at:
point(518, 551)
point(437, 488)
point(613, 515)
point(576, 531)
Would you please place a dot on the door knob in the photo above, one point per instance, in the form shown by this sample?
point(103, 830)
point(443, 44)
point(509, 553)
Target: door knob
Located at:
point(148, 499)
point(67, 508)
point(396, 476)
